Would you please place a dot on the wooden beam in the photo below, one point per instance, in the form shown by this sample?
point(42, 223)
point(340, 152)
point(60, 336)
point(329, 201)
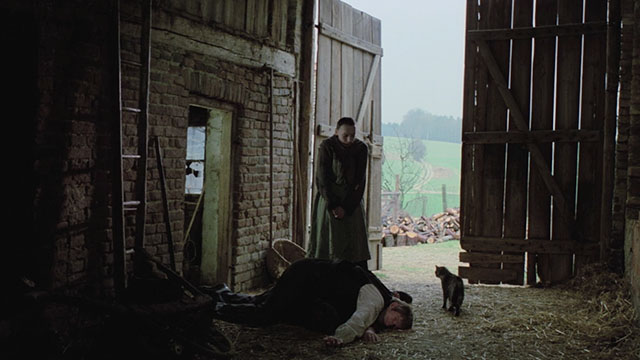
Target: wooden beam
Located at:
point(534, 136)
point(366, 97)
point(539, 31)
point(336, 34)
point(487, 275)
point(491, 258)
point(539, 246)
point(522, 125)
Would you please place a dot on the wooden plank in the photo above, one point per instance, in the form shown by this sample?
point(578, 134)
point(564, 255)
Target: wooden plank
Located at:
point(239, 14)
point(517, 157)
point(596, 27)
point(486, 275)
point(491, 258)
point(365, 101)
point(323, 78)
point(218, 11)
point(359, 72)
point(376, 105)
point(348, 102)
point(567, 110)
point(534, 136)
point(353, 41)
point(261, 18)
point(539, 246)
point(336, 66)
point(592, 117)
point(367, 60)
point(467, 176)
point(610, 125)
point(542, 94)
point(227, 16)
point(284, 19)
point(496, 14)
point(250, 16)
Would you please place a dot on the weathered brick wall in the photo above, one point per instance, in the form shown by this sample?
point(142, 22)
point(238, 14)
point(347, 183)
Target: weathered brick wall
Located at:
point(71, 244)
point(181, 76)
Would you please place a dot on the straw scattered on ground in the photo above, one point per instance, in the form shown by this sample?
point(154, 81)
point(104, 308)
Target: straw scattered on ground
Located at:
point(590, 317)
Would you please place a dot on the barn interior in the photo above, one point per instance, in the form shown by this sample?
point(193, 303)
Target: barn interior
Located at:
point(174, 140)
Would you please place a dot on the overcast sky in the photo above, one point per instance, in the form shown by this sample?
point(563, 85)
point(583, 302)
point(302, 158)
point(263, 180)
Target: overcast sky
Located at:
point(422, 65)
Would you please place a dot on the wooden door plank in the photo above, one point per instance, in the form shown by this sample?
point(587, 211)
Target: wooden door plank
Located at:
point(592, 118)
point(347, 63)
point(359, 72)
point(250, 15)
point(533, 136)
point(336, 63)
point(491, 258)
point(567, 110)
point(495, 15)
point(366, 98)
point(467, 176)
point(542, 96)
point(323, 78)
point(517, 156)
point(367, 59)
point(486, 275)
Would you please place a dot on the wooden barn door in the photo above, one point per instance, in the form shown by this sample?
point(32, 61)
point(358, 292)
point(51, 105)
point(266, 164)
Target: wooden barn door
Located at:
point(348, 84)
point(533, 118)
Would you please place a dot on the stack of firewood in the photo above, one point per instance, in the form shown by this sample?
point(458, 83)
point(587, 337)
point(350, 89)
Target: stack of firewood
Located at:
point(406, 230)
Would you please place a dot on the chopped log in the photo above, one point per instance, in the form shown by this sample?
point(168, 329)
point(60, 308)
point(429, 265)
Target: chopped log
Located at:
point(389, 241)
point(401, 240)
point(394, 229)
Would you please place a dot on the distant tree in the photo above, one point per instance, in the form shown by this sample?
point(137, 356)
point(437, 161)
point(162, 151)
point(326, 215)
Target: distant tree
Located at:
point(409, 171)
point(421, 124)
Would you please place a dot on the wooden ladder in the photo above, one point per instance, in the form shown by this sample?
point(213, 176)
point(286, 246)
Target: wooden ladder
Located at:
point(129, 201)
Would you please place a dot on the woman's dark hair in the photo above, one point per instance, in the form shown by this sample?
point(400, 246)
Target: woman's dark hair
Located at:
point(345, 121)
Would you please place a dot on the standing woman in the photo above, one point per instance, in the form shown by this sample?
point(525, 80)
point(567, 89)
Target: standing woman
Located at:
point(338, 225)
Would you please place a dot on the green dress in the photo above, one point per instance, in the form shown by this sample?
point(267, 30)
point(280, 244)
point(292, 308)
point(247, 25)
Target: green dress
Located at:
point(340, 179)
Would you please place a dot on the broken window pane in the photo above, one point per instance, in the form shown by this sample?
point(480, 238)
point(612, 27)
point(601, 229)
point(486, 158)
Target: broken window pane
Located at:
point(195, 159)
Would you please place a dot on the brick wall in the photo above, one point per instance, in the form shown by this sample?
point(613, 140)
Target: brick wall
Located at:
point(71, 245)
point(73, 156)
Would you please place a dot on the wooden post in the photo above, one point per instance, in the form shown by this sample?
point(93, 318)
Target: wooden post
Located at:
point(444, 197)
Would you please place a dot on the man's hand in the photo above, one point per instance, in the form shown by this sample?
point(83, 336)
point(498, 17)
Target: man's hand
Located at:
point(338, 212)
point(332, 341)
point(370, 336)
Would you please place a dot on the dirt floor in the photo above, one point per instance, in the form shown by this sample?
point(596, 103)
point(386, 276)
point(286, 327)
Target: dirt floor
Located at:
point(589, 318)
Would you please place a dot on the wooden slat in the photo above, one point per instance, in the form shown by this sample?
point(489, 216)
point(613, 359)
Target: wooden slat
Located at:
point(567, 110)
point(336, 63)
point(261, 18)
point(598, 27)
point(467, 176)
point(541, 119)
point(365, 101)
point(367, 60)
point(376, 105)
point(534, 136)
point(346, 67)
point(609, 127)
point(486, 275)
point(491, 258)
point(359, 72)
point(539, 246)
point(339, 35)
point(496, 14)
point(250, 16)
point(517, 158)
point(592, 117)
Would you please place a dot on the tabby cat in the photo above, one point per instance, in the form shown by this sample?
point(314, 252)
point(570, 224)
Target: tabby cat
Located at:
point(452, 289)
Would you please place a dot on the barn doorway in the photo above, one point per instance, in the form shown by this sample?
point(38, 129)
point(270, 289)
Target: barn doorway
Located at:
point(208, 194)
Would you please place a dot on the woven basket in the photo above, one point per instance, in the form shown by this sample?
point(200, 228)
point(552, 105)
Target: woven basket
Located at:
point(281, 254)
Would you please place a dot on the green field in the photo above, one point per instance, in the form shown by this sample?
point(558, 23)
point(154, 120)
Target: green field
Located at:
point(440, 166)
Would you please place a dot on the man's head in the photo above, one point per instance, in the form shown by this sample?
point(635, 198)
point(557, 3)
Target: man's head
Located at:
point(346, 131)
point(398, 315)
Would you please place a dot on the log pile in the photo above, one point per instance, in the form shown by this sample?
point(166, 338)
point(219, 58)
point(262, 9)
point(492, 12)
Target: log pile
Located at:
point(407, 230)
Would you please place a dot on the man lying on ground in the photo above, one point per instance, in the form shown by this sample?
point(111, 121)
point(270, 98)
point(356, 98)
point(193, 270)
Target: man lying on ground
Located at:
point(337, 298)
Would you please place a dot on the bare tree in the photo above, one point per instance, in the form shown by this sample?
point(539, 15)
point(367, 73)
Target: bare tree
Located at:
point(407, 171)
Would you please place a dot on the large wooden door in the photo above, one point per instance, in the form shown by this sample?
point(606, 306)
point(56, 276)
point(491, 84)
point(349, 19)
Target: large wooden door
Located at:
point(533, 120)
point(348, 84)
